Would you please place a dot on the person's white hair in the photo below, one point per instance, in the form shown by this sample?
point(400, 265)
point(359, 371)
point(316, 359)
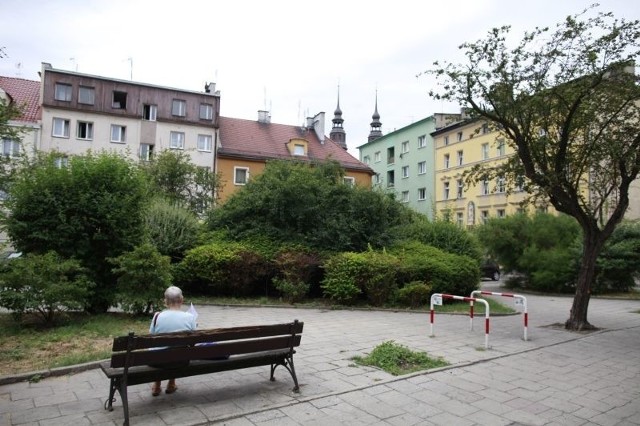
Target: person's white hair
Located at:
point(173, 295)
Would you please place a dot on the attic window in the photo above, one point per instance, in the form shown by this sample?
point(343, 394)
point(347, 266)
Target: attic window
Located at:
point(119, 100)
point(298, 150)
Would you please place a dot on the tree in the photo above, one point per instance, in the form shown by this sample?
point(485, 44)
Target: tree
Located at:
point(91, 210)
point(568, 102)
point(182, 182)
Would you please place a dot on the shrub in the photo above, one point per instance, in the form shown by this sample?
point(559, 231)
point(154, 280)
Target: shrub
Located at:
point(398, 359)
point(618, 265)
point(339, 283)
point(44, 285)
point(143, 275)
point(171, 228)
point(414, 294)
point(295, 266)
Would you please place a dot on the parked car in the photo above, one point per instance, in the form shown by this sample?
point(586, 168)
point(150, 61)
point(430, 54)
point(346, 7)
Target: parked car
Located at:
point(490, 269)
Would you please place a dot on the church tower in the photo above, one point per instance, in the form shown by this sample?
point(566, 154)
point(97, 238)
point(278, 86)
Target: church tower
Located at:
point(338, 134)
point(375, 132)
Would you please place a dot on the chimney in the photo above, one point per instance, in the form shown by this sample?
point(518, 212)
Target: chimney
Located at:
point(318, 125)
point(264, 117)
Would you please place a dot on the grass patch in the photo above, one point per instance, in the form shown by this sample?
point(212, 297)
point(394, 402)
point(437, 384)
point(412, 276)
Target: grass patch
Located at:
point(398, 360)
point(459, 307)
point(79, 338)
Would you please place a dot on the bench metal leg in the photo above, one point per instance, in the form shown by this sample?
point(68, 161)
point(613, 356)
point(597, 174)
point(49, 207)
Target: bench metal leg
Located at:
point(108, 404)
point(288, 364)
point(125, 402)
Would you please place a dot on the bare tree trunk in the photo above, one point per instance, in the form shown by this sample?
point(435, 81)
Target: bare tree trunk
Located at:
point(578, 314)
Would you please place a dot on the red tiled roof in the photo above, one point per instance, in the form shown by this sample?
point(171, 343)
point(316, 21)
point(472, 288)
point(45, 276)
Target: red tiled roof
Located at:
point(264, 141)
point(23, 92)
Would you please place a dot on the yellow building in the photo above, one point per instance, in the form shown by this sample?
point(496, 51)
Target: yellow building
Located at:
point(459, 147)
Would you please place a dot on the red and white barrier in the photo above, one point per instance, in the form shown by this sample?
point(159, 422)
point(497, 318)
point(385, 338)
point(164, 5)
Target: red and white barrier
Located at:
point(436, 299)
point(518, 299)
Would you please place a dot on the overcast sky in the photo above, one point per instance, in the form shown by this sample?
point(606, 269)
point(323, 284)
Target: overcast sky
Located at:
point(286, 56)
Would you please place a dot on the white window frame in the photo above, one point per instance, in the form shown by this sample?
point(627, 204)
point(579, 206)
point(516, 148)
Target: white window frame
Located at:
point(63, 92)
point(446, 161)
point(422, 194)
point(502, 213)
point(10, 147)
point(153, 112)
point(485, 151)
point(349, 180)
point(422, 167)
point(179, 108)
point(500, 148)
point(377, 157)
point(422, 141)
point(459, 218)
point(404, 147)
point(484, 216)
point(404, 197)
point(446, 190)
point(235, 175)
point(61, 162)
point(366, 159)
point(405, 172)
point(86, 95)
point(460, 158)
point(500, 185)
point(484, 187)
point(145, 153)
point(88, 130)
point(446, 140)
point(205, 142)
point(208, 112)
point(460, 189)
point(118, 133)
point(176, 140)
point(58, 132)
point(298, 150)
point(459, 136)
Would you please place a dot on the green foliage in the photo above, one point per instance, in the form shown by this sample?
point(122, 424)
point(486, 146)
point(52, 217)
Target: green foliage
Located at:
point(142, 276)
point(397, 359)
point(222, 269)
point(295, 267)
point(505, 239)
point(444, 235)
point(619, 263)
point(415, 294)
point(182, 182)
point(369, 273)
point(445, 272)
point(44, 285)
point(308, 204)
point(91, 210)
point(171, 228)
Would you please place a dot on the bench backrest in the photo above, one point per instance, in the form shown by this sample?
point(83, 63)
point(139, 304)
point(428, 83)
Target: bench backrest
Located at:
point(164, 348)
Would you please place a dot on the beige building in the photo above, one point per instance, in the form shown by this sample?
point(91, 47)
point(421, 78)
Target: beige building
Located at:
point(82, 112)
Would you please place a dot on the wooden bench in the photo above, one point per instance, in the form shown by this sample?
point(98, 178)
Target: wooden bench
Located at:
point(235, 348)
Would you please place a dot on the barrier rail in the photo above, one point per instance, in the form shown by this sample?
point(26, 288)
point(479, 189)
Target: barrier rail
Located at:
point(516, 297)
point(436, 299)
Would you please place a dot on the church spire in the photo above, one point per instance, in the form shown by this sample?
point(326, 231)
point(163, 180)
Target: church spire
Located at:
point(375, 132)
point(338, 134)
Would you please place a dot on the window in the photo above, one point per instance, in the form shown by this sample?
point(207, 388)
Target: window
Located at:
point(118, 133)
point(519, 183)
point(204, 142)
point(422, 141)
point(459, 218)
point(422, 194)
point(446, 140)
point(10, 148)
point(206, 112)
point(391, 177)
point(146, 152)
point(366, 159)
point(501, 185)
point(376, 178)
point(501, 213)
point(404, 197)
point(240, 175)
point(446, 161)
point(484, 216)
point(391, 156)
point(405, 171)
point(86, 95)
point(298, 149)
point(119, 100)
point(485, 151)
point(459, 136)
point(63, 92)
point(85, 130)
point(376, 157)
point(460, 188)
point(500, 147)
point(349, 180)
point(485, 128)
point(61, 128)
point(446, 190)
point(177, 140)
point(149, 112)
point(179, 108)
point(422, 167)
point(404, 147)
point(61, 162)
point(484, 187)
point(460, 158)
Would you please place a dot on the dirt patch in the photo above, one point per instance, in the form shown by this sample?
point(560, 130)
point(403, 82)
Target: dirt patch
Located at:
point(560, 326)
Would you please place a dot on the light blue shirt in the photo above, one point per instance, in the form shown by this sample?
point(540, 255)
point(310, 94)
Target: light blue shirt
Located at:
point(169, 321)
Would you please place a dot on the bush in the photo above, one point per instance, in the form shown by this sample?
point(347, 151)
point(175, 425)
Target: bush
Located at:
point(44, 285)
point(414, 294)
point(446, 272)
point(222, 268)
point(295, 266)
point(340, 279)
point(143, 275)
point(171, 228)
point(618, 265)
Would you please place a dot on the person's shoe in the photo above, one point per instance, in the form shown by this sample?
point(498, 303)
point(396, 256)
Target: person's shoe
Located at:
point(171, 388)
point(156, 390)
